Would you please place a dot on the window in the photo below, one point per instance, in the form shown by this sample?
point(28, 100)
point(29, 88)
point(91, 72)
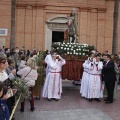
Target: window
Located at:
point(3, 32)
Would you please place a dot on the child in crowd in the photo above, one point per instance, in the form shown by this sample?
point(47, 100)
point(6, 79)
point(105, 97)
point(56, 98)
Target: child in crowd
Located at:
point(4, 104)
point(2, 114)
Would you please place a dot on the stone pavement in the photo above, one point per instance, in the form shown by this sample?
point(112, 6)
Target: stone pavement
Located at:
point(71, 107)
point(76, 114)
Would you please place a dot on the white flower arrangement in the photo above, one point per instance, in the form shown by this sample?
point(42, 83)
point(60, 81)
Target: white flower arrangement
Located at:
point(68, 53)
point(73, 48)
point(73, 51)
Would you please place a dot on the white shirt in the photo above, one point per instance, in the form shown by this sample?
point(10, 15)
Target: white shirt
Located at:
point(3, 76)
point(107, 62)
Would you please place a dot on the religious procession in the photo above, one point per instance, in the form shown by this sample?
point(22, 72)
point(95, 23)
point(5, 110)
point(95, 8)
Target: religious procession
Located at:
point(100, 76)
point(58, 60)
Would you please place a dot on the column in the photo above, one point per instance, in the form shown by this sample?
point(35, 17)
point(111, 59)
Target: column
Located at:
point(40, 28)
point(101, 30)
point(88, 26)
point(28, 28)
point(93, 27)
point(34, 16)
point(20, 28)
point(83, 25)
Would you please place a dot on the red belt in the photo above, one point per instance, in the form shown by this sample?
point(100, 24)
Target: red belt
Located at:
point(86, 72)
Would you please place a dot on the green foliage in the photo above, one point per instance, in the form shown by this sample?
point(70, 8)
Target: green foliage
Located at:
point(40, 69)
point(22, 88)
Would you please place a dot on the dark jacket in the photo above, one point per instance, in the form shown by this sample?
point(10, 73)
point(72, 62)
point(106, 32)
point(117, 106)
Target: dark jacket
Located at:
point(2, 114)
point(108, 72)
point(5, 109)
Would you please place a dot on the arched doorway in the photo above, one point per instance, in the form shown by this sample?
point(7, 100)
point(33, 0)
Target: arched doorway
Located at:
point(55, 28)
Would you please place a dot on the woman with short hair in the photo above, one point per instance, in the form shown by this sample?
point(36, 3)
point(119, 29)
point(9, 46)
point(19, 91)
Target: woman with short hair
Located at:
point(29, 75)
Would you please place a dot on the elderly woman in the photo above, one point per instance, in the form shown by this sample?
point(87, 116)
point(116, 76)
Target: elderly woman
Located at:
point(29, 74)
point(2, 113)
point(53, 83)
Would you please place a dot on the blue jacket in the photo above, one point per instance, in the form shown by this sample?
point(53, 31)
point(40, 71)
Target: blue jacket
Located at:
point(2, 114)
point(5, 110)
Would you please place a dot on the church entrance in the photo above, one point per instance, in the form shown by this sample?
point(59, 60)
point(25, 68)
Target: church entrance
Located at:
point(57, 36)
point(55, 28)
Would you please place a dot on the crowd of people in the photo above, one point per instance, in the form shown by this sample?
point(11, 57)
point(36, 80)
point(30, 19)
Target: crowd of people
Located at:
point(98, 69)
point(15, 63)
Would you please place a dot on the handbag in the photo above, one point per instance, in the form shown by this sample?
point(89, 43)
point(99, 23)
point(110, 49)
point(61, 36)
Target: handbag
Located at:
point(27, 74)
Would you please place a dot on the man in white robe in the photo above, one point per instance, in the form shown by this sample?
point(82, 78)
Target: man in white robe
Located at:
point(95, 84)
point(85, 78)
point(53, 82)
point(48, 58)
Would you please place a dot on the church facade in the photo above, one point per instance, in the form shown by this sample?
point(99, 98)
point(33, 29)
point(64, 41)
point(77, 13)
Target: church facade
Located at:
point(38, 22)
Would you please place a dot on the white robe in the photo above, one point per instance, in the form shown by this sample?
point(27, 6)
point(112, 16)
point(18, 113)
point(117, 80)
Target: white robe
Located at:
point(85, 80)
point(53, 82)
point(48, 58)
point(95, 84)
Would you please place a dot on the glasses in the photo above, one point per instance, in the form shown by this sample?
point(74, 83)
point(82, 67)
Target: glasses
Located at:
point(3, 62)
